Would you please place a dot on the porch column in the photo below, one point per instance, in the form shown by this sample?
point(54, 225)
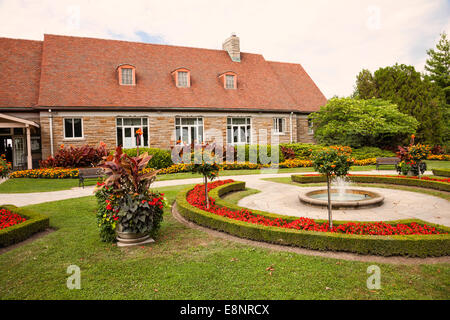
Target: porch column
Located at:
point(29, 158)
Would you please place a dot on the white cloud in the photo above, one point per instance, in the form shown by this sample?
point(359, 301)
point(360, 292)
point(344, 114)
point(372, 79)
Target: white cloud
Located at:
point(333, 40)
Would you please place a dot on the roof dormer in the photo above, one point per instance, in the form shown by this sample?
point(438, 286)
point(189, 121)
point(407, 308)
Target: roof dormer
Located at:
point(182, 77)
point(126, 75)
point(229, 80)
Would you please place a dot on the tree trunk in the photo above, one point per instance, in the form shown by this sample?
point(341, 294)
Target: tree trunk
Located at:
point(330, 220)
point(206, 192)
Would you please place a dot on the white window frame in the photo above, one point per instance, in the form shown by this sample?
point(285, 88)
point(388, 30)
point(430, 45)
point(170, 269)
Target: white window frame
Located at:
point(186, 85)
point(248, 131)
point(276, 122)
point(310, 126)
point(233, 82)
point(131, 77)
point(133, 127)
point(199, 123)
point(73, 128)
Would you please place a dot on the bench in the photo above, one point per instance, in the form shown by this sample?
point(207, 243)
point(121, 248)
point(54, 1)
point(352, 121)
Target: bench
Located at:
point(84, 173)
point(388, 160)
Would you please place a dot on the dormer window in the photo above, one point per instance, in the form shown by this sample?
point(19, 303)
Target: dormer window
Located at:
point(182, 77)
point(127, 75)
point(229, 80)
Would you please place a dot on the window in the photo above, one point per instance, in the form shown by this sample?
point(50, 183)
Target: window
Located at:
point(127, 76)
point(229, 81)
point(189, 130)
point(238, 130)
point(183, 79)
point(310, 127)
point(73, 128)
point(279, 125)
point(126, 132)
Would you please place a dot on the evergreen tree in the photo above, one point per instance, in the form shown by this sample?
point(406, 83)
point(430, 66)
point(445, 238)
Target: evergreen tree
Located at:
point(365, 86)
point(438, 67)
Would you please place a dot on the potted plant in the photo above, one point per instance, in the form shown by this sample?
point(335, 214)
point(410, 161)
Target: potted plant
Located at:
point(332, 162)
point(136, 212)
point(5, 167)
point(411, 158)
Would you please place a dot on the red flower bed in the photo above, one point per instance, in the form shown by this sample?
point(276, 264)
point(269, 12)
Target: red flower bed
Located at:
point(196, 197)
point(447, 180)
point(8, 219)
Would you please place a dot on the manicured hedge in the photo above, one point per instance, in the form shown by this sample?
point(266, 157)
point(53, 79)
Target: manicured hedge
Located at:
point(411, 245)
point(378, 179)
point(160, 158)
point(441, 172)
point(35, 222)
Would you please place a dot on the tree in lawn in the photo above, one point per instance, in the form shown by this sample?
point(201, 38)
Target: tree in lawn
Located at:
point(356, 123)
point(332, 162)
point(438, 67)
point(414, 95)
point(205, 163)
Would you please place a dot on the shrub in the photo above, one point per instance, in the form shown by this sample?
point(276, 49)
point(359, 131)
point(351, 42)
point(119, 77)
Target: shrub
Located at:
point(5, 167)
point(424, 182)
point(410, 245)
point(371, 152)
point(160, 158)
point(252, 152)
point(76, 157)
point(302, 150)
point(441, 172)
point(35, 222)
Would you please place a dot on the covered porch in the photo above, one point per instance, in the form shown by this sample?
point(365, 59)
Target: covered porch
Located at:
point(15, 140)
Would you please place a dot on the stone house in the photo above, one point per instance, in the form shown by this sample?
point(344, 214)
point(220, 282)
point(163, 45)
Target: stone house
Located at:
point(76, 91)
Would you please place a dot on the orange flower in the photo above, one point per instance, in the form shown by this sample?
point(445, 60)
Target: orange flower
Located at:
point(139, 132)
point(62, 146)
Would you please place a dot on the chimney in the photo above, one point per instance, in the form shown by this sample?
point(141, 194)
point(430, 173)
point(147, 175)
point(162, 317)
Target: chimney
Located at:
point(231, 45)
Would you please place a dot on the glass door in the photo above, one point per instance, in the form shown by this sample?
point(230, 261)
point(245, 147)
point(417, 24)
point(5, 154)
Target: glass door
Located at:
point(19, 151)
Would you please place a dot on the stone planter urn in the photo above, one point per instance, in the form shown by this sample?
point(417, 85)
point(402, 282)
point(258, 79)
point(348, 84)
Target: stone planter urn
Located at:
point(128, 239)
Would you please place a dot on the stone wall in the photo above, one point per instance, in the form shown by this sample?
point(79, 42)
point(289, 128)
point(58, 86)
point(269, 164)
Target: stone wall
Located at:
point(302, 130)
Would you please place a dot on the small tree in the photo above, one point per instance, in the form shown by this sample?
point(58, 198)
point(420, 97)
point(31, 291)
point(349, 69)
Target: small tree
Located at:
point(331, 162)
point(205, 163)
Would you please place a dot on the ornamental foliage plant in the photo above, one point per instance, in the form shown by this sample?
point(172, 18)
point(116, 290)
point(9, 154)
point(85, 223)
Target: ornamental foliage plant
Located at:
point(332, 162)
point(5, 167)
point(127, 198)
point(411, 158)
point(76, 157)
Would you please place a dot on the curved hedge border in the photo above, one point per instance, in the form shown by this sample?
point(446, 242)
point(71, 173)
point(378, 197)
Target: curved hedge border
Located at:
point(412, 245)
point(441, 172)
point(443, 186)
point(35, 222)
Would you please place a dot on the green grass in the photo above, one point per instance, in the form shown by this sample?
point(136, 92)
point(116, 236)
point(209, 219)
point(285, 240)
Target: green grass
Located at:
point(436, 164)
point(234, 197)
point(185, 263)
point(27, 185)
point(440, 194)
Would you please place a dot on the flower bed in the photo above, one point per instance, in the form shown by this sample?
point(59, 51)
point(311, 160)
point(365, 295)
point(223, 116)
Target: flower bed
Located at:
point(440, 157)
point(304, 232)
point(424, 182)
point(51, 173)
point(18, 224)
point(8, 218)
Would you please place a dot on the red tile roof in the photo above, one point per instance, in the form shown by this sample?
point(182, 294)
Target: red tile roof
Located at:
point(81, 72)
point(20, 69)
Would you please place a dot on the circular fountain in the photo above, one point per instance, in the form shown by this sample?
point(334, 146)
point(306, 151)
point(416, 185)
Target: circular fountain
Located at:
point(342, 199)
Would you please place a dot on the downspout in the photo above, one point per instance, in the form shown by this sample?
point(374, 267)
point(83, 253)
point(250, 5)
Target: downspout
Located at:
point(50, 120)
point(290, 125)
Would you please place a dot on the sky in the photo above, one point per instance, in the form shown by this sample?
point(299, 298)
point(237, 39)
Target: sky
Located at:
point(333, 40)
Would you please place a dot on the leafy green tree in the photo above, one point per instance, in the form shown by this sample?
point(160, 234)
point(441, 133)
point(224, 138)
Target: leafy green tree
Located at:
point(365, 85)
point(357, 122)
point(438, 67)
point(413, 93)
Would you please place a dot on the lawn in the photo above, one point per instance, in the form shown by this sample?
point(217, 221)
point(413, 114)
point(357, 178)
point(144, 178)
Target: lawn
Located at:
point(185, 263)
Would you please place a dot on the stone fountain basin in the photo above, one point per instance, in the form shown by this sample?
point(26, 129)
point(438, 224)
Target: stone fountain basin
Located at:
point(369, 199)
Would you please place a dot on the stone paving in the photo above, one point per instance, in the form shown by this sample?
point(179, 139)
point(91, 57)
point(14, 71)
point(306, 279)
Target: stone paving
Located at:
point(283, 199)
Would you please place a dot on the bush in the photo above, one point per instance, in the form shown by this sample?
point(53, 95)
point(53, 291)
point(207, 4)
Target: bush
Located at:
point(411, 245)
point(254, 150)
point(423, 182)
point(302, 150)
point(160, 158)
point(371, 152)
point(441, 172)
point(76, 157)
point(5, 167)
point(35, 222)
